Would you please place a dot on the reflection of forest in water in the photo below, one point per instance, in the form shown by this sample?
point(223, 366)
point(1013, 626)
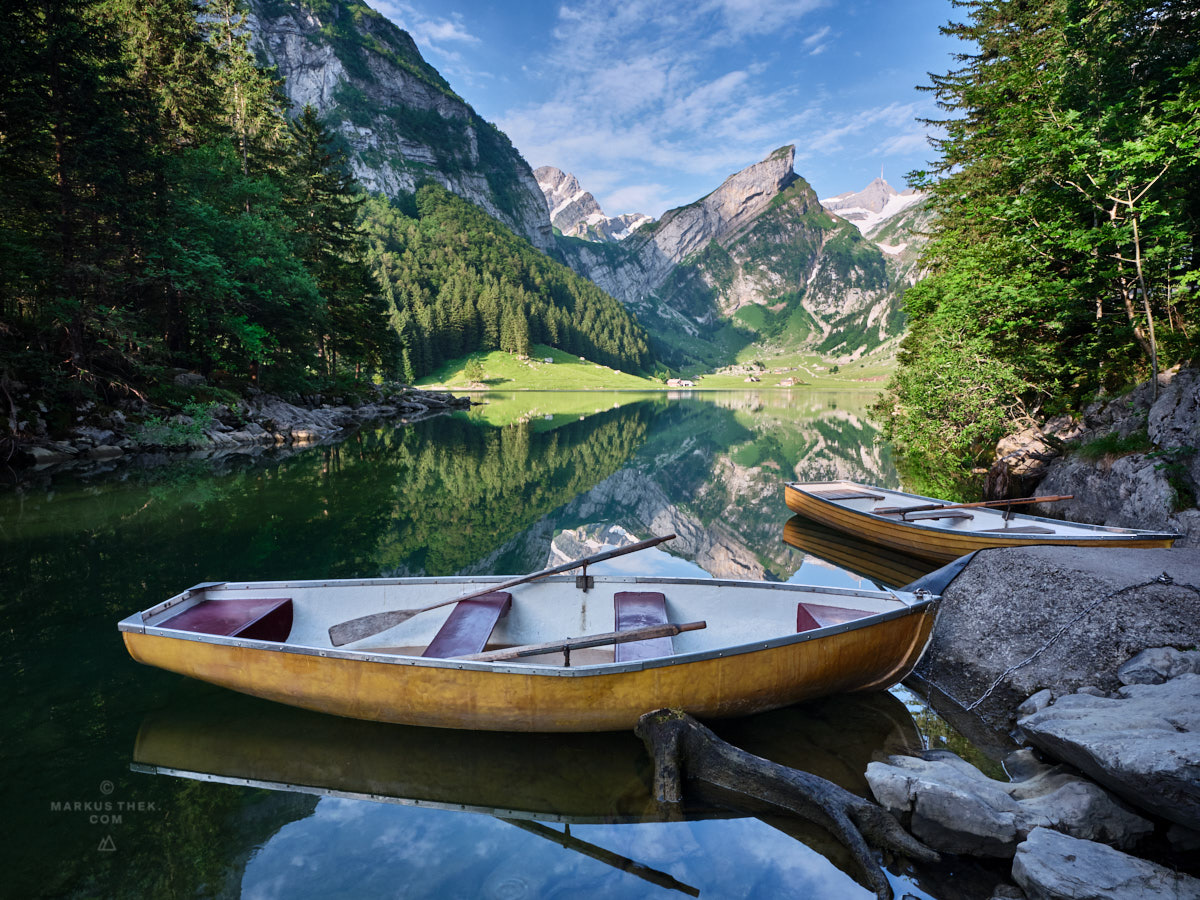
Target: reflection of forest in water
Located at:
point(79, 551)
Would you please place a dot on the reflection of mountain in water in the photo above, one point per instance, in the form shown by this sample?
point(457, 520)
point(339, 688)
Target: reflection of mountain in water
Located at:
point(469, 489)
point(711, 471)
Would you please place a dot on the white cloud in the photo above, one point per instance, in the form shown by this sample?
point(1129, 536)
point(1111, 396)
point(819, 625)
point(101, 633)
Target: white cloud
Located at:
point(892, 116)
point(638, 197)
point(641, 85)
point(817, 38)
point(756, 17)
point(428, 31)
point(909, 142)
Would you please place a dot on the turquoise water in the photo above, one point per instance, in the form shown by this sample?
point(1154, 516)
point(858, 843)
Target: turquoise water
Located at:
point(120, 780)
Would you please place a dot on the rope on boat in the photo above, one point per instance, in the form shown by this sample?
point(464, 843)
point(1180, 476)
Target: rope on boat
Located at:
point(1164, 578)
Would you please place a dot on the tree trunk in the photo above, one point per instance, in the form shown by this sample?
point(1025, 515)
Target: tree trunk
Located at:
point(1141, 280)
point(682, 748)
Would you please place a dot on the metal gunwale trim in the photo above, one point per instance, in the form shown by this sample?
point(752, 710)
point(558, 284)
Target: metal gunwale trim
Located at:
point(316, 790)
point(597, 669)
point(1096, 532)
point(136, 621)
point(553, 579)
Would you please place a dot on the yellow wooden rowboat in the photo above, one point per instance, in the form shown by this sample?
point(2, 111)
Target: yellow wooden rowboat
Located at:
point(765, 646)
point(877, 515)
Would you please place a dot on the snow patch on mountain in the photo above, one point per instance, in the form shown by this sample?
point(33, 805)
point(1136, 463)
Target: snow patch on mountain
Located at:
point(872, 206)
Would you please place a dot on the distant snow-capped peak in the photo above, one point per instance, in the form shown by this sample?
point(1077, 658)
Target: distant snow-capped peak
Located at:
point(873, 205)
point(575, 212)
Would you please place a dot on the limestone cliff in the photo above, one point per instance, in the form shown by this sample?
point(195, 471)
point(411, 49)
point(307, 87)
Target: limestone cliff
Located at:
point(760, 252)
point(902, 238)
point(399, 118)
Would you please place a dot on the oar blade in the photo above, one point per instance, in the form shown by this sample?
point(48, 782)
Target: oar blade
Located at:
point(364, 626)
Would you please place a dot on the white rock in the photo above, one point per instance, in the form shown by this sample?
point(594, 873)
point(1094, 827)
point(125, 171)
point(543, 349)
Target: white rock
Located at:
point(1143, 745)
point(955, 808)
point(1053, 866)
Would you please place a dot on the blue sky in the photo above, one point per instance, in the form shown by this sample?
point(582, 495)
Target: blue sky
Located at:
point(653, 103)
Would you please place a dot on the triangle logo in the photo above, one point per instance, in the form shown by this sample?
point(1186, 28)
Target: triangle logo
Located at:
point(107, 845)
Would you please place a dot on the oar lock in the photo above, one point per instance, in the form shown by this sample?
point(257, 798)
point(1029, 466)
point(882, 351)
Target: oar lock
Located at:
point(584, 581)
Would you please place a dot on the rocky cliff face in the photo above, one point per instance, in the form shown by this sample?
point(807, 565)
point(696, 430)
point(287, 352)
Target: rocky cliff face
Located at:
point(575, 212)
point(1154, 489)
point(759, 250)
point(400, 119)
point(902, 238)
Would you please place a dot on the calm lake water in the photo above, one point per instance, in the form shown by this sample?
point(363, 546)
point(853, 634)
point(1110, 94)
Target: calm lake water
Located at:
point(121, 780)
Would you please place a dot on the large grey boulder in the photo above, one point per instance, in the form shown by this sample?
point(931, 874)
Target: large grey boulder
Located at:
point(1143, 745)
point(1054, 866)
point(951, 806)
point(1019, 620)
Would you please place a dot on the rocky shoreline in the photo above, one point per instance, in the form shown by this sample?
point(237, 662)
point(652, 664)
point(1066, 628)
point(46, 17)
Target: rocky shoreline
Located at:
point(1131, 461)
point(1085, 664)
point(257, 420)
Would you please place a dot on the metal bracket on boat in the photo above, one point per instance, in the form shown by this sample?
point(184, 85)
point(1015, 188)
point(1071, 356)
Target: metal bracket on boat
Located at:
point(584, 581)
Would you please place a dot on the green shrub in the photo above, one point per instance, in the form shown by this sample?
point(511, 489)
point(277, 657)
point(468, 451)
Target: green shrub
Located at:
point(161, 432)
point(1112, 445)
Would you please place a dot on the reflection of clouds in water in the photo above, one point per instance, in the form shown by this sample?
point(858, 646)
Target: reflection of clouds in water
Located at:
point(361, 849)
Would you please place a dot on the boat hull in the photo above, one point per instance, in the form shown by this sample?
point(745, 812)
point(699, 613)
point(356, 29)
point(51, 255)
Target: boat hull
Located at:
point(945, 545)
point(867, 656)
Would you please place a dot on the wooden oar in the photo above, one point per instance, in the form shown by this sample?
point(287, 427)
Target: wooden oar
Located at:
point(889, 510)
point(592, 640)
point(365, 626)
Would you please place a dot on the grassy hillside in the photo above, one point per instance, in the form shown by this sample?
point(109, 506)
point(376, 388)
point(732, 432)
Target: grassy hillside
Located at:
point(501, 371)
point(506, 371)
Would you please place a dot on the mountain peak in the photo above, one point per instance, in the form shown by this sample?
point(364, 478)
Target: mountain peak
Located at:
point(575, 212)
point(874, 204)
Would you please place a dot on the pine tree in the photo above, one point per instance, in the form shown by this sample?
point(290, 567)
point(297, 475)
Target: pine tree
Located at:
point(324, 202)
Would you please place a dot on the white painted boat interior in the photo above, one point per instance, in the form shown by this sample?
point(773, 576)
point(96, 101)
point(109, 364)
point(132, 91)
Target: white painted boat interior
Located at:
point(976, 519)
point(550, 609)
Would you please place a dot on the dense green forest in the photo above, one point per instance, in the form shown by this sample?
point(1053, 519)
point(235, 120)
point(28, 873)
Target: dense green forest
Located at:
point(162, 209)
point(1064, 254)
point(159, 210)
point(457, 281)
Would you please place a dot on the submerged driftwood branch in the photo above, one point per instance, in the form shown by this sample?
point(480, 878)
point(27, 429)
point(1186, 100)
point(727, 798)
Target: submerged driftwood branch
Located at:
point(684, 749)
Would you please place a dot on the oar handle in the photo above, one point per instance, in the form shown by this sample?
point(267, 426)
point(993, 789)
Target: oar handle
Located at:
point(592, 640)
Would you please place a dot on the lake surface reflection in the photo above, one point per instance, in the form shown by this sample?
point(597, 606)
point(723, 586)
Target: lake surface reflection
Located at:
point(120, 780)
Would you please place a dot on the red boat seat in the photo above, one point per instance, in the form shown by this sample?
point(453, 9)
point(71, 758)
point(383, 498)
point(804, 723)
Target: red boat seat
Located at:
point(817, 615)
point(639, 609)
point(257, 619)
point(469, 626)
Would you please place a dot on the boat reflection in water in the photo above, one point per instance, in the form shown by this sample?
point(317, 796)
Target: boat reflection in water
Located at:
point(602, 777)
point(882, 565)
point(521, 778)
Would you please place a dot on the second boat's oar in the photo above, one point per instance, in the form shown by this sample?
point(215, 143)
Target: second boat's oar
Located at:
point(892, 510)
point(365, 626)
